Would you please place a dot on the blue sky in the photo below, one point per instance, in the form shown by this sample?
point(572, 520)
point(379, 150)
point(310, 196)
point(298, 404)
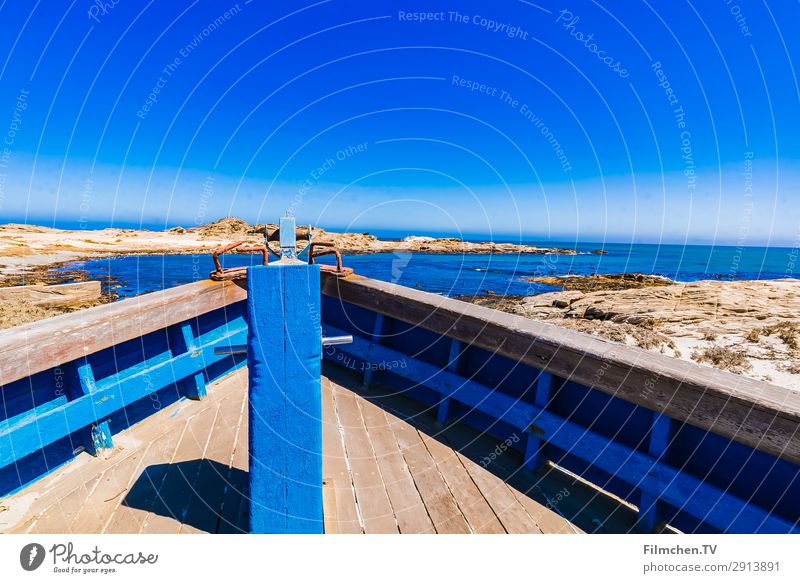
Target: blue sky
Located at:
point(621, 121)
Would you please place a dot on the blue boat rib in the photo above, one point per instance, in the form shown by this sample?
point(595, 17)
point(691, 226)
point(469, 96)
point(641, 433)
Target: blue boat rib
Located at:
point(49, 424)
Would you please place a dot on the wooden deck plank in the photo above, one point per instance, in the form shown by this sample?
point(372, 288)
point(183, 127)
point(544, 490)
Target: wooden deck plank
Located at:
point(503, 471)
point(233, 519)
point(60, 515)
point(548, 520)
point(479, 514)
point(334, 467)
point(441, 505)
point(41, 494)
point(519, 481)
point(174, 495)
point(409, 509)
point(156, 438)
point(511, 513)
point(372, 499)
point(36, 499)
point(328, 507)
point(205, 504)
point(107, 495)
point(131, 515)
point(387, 467)
point(472, 446)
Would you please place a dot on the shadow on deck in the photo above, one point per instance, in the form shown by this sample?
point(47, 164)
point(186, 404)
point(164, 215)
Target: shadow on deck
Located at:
point(388, 467)
point(198, 493)
point(566, 503)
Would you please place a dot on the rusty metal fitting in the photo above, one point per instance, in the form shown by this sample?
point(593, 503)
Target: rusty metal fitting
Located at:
point(301, 233)
point(338, 270)
point(231, 273)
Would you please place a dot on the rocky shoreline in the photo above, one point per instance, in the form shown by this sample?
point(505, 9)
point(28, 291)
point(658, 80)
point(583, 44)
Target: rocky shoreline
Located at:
point(29, 253)
point(601, 281)
point(747, 327)
point(32, 250)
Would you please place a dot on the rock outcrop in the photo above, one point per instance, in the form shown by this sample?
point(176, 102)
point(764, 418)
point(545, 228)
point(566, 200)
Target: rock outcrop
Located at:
point(748, 327)
point(602, 281)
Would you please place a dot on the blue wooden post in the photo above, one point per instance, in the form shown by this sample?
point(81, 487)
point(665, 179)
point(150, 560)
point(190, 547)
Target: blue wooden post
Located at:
point(285, 431)
point(533, 446)
point(657, 446)
point(377, 332)
point(100, 438)
point(182, 341)
point(81, 383)
point(452, 365)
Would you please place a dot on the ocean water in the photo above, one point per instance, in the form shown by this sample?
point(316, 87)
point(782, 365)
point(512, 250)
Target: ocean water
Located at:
point(454, 275)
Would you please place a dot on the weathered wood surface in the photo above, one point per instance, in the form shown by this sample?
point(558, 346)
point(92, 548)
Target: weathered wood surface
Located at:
point(38, 346)
point(183, 469)
point(335, 470)
point(62, 295)
point(717, 507)
point(755, 413)
point(175, 471)
point(751, 412)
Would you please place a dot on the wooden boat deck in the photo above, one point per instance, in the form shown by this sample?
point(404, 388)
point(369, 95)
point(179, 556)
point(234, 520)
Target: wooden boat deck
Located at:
point(387, 469)
point(701, 450)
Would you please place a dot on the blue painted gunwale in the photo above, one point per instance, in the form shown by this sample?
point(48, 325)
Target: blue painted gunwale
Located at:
point(692, 478)
point(78, 404)
point(676, 473)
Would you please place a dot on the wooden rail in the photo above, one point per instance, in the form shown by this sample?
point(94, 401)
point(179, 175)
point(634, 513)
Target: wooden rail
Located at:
point(757, 414)
point(82, 376)
point(38, 346)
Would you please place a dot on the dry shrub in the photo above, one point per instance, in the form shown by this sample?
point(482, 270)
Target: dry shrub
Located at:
point(753, 335)
point(791, 367)
point(724, 358)
point(643, 336)
point(788, 332)
point(19, 312)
